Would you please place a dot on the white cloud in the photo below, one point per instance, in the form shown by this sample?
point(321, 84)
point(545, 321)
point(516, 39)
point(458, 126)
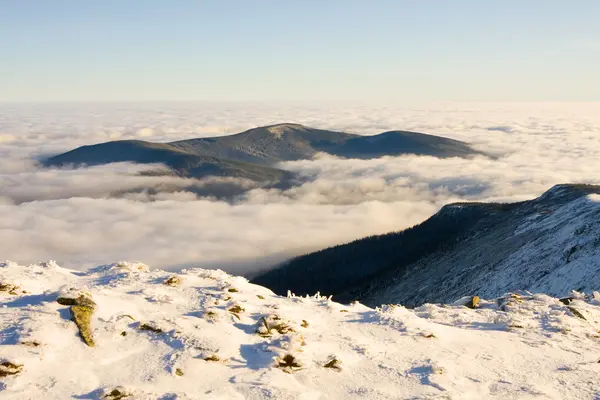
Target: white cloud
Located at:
point(73, 216)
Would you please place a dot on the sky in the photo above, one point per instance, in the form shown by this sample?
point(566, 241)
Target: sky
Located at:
point(272, 50)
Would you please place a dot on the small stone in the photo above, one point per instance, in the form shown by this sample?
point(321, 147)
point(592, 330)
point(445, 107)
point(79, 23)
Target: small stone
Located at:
point(334, 363)
point(66, 301)
point(9, 288)
point(149, 327)
point(237, 309)
point(212, 357)
point(117, 394)
point(173, 281)
point(474, 303)
point(566, 300)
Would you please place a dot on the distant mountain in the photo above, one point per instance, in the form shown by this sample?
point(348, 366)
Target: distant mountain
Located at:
point(253, 154)
point(549, 244)
point(182, 162)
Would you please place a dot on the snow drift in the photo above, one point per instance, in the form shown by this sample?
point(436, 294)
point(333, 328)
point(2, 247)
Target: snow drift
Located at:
point(204, 334)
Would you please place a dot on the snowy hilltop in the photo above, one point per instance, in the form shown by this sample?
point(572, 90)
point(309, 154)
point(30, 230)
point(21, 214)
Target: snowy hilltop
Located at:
point(122, 331)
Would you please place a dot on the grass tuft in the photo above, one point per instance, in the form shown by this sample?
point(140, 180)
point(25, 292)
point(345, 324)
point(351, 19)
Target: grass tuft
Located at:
point(236, 310)
point(273, 323)
point(289, 363)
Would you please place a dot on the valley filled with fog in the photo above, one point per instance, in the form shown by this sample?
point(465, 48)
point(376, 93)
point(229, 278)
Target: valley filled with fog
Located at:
point(89, 216)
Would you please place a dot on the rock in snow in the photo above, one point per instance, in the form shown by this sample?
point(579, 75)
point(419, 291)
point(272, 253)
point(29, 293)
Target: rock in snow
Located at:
point(201, 340)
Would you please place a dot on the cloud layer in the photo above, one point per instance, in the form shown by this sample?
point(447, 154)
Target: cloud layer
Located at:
point(96, 215)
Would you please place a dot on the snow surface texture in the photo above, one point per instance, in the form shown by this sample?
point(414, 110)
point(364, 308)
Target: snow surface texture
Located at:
point(203, 334)
point(544, 247)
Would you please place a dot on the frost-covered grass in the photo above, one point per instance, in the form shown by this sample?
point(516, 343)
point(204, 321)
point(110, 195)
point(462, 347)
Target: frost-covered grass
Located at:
point(198, 339)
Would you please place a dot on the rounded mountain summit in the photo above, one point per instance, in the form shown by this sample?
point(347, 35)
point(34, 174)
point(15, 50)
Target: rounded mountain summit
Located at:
point(255, 153)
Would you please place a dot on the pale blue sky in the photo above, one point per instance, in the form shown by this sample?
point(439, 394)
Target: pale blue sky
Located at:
point(419, 50)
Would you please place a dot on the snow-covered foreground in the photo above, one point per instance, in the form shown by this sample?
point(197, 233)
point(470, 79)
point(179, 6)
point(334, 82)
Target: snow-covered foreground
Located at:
point(207, 335)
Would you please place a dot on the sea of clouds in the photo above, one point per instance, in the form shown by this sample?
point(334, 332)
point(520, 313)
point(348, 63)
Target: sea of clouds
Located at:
point(91, 216)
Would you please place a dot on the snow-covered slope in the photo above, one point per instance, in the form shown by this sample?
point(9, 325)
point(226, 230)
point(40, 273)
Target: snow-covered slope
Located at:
point(550, 245)
point(547, 245)
point(206, 335)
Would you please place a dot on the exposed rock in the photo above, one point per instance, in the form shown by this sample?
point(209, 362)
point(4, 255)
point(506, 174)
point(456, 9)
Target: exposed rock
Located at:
point(82, 308)
point(31, 343)
point(566, 300)
point(82, 315)
point(211, 315)
point(173, 281)
point(66, 301)
point(212, 357)
point(150, 327)
point(179, 372)
point(8, 368)
point(474, 302)
point(334, 363)
point(9, 288)
point(78, 299)
point(117, 393)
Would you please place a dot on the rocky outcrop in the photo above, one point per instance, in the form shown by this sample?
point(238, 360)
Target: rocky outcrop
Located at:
point(82, 308)
point(8, 368)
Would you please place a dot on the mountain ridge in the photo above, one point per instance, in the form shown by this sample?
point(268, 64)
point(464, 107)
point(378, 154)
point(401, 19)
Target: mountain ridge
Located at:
point(456, 252)
point(255, 153)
